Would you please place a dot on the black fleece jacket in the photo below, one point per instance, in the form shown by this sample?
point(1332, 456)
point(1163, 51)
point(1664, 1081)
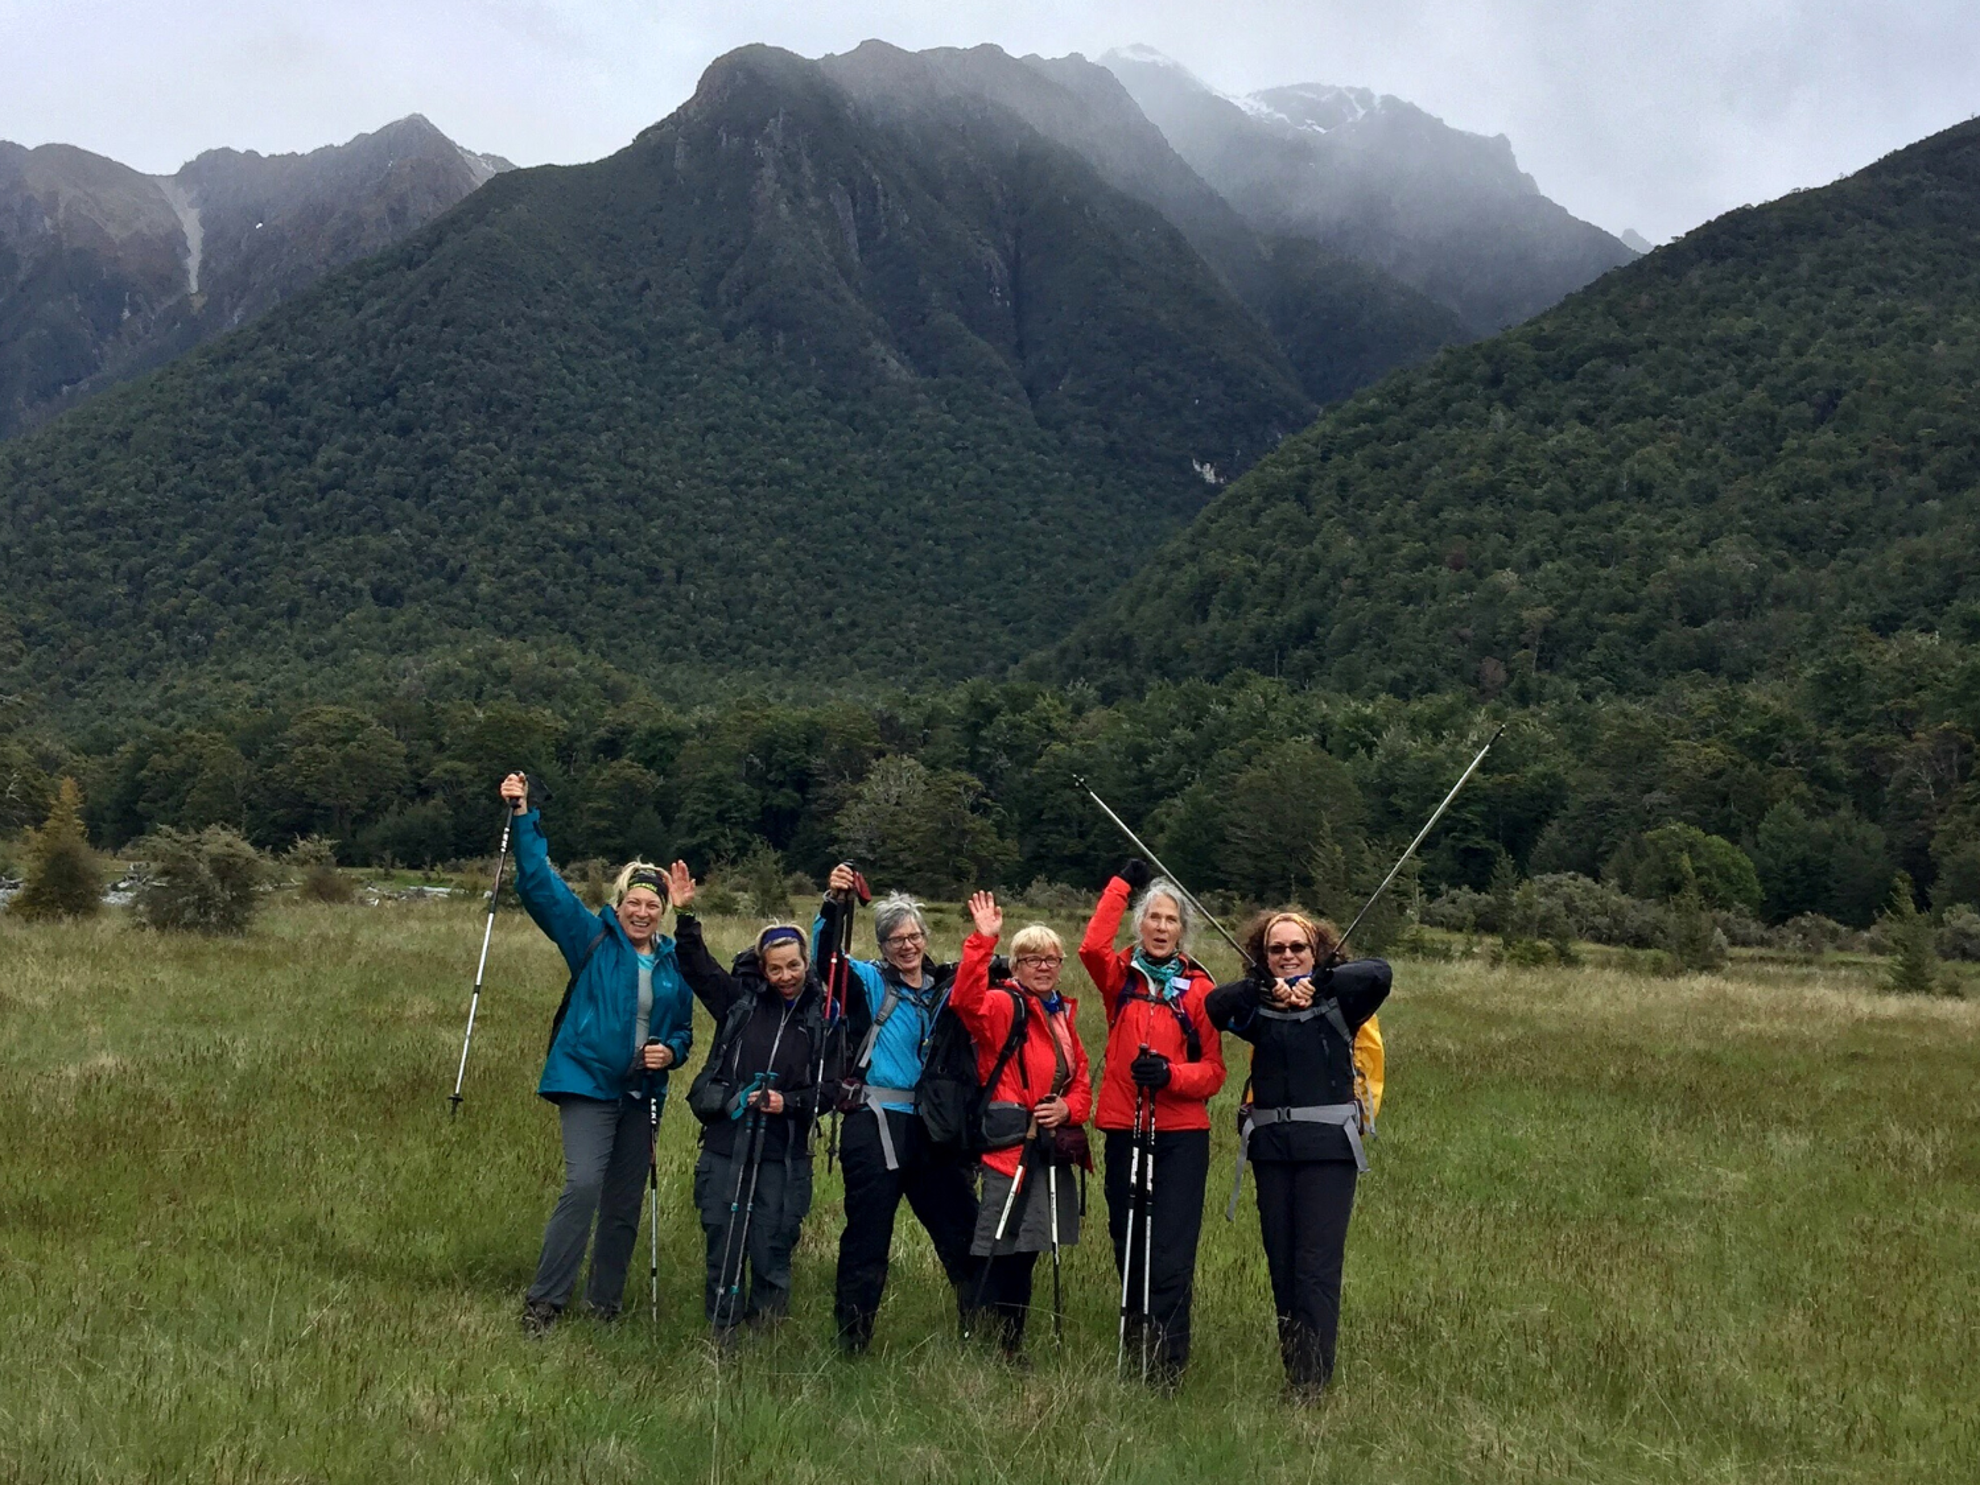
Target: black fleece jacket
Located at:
point(1299, 1061)
point(793, 1029)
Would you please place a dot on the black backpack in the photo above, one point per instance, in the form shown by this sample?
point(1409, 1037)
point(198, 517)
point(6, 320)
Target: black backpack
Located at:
point(948, 1097)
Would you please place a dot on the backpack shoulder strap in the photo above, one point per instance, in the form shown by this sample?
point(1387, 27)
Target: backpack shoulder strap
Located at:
point(1012, 1041)
point(890, 999)
point(564, 1005)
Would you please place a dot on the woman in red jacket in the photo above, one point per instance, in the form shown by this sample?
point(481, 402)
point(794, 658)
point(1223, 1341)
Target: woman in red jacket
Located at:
point(1036, 1105)
point(1159, 1039)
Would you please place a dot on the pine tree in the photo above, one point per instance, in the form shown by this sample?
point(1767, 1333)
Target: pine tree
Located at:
point(63, 879)
point(1914, 966)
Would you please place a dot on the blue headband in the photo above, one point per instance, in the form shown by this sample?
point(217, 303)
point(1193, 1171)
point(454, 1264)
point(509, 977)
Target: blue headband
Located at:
point(778, 936)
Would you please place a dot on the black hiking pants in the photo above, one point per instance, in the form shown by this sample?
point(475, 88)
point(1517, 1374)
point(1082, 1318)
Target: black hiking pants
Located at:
point(1007, 1298)
point(938, 1192)
point(1182, 1165)
point(751, 1230)
point(1303, 1211)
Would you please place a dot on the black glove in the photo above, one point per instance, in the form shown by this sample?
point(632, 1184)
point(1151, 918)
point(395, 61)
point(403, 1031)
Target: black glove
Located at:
point(1150, 1069)
point(1134, 871)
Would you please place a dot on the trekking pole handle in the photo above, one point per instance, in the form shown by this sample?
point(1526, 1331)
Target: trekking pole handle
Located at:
point(1143, 847)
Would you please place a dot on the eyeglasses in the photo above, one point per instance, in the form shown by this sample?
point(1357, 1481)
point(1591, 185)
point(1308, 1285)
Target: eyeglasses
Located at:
point(1302, 947)
point(905, 940)
point(1042, 960)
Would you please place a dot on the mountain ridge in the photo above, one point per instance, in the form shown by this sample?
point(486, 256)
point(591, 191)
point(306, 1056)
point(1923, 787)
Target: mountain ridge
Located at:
point(106, 272)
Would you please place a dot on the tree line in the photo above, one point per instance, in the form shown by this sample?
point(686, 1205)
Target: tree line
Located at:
point(1776, 801)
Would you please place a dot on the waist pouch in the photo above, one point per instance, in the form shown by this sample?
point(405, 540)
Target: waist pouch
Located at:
point(1066, 1145)
point(1004, 1125)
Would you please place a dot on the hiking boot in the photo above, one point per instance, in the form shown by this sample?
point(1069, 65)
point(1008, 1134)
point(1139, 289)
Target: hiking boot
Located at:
point(855, 1335)
point(538, 1315)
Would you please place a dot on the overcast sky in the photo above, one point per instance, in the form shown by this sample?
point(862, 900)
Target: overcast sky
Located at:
point(1652, 116)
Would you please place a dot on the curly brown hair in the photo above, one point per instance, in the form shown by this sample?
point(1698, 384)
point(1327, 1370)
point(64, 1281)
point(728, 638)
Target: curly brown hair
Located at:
point(1320, 932)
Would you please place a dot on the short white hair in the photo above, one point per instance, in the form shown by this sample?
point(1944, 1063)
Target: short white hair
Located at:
point(1163, 887)
point(893, 910)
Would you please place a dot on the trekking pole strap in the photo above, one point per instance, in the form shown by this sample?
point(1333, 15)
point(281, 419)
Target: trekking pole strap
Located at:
point(1346, 1115)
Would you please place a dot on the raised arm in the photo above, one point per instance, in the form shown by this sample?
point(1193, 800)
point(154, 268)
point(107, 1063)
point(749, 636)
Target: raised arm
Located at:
point(546, 897)
point(712, 985)
point(988, 1017)
point(1096, 949)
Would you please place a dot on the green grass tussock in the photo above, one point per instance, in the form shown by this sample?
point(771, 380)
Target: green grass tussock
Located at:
point(1619, 1229)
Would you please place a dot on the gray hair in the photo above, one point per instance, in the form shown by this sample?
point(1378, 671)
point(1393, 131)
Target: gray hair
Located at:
point(891, 911)
point(1163, 887)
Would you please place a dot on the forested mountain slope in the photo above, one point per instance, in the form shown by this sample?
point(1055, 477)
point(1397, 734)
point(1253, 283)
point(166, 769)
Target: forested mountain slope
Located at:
point(784, 388)
point(106, 273)
point(1724, 458)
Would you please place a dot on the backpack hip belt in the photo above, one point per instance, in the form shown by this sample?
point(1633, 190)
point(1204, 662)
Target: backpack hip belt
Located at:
point(876, 1099)
point(1346, 1115)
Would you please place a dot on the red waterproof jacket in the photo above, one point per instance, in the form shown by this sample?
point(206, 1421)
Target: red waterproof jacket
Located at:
point(1134, 1020)
point(1027, 1077)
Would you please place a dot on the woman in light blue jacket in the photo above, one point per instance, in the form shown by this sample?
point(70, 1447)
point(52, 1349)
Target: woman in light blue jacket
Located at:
point(625, 1020)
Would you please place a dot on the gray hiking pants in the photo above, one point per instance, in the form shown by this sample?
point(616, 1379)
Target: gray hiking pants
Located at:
point(605, 1155)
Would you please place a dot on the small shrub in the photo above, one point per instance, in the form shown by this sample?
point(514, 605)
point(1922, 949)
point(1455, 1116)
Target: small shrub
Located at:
point(1416, 942)
point(204, 883)
point(1054, 897)
point(800, 885)
point(313, 859)
point(1527, 953)
point(1959, 935)
point(765, 883)
point(1459, 909)
point(1811, 933)
point(1914, 966)
point(1694, 941)
point(590, 880)
point(718, 895)
point(61, 878)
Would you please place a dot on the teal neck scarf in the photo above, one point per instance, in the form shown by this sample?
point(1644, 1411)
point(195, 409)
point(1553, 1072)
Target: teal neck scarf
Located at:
point(1161, 977)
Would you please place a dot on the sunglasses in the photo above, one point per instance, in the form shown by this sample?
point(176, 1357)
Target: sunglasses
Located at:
point(1301, 947)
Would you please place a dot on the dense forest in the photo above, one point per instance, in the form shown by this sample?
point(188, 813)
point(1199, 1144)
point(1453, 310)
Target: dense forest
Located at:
point(1826, 785)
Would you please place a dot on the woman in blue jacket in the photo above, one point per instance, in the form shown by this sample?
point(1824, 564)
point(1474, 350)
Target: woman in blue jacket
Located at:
point(626, 1020)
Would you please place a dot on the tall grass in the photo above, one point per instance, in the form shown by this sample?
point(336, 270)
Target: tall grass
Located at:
point(1619, 1229)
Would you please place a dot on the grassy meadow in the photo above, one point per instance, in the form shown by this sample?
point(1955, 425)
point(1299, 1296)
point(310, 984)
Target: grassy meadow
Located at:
point(1619, 1229)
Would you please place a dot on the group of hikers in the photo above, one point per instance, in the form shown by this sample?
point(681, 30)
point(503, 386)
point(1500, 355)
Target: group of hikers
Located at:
point(992, 1162)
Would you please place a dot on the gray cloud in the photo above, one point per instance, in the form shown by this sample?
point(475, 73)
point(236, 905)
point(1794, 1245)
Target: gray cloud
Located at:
point(1647, 116)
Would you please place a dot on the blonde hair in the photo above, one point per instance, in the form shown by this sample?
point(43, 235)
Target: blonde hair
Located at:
point(1034, 938)
point(622, 883)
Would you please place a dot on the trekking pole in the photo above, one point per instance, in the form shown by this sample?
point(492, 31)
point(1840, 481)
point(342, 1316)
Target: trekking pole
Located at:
point(1428, 826)
point(754, 1168)
point(838, 980)
point(1004, 1217)
point(1127, 1245)
point(653, 1192)
point(481, 967)
point(1143, 847)
point(1058, 1298)
point(1147, 1234)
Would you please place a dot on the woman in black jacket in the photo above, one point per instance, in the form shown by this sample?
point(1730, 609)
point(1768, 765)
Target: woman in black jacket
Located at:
point(756, 1097)
point(1301, 1123)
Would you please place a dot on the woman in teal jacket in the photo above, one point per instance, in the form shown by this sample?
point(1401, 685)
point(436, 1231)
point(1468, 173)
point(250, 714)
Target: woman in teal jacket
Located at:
point(626, 1020)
